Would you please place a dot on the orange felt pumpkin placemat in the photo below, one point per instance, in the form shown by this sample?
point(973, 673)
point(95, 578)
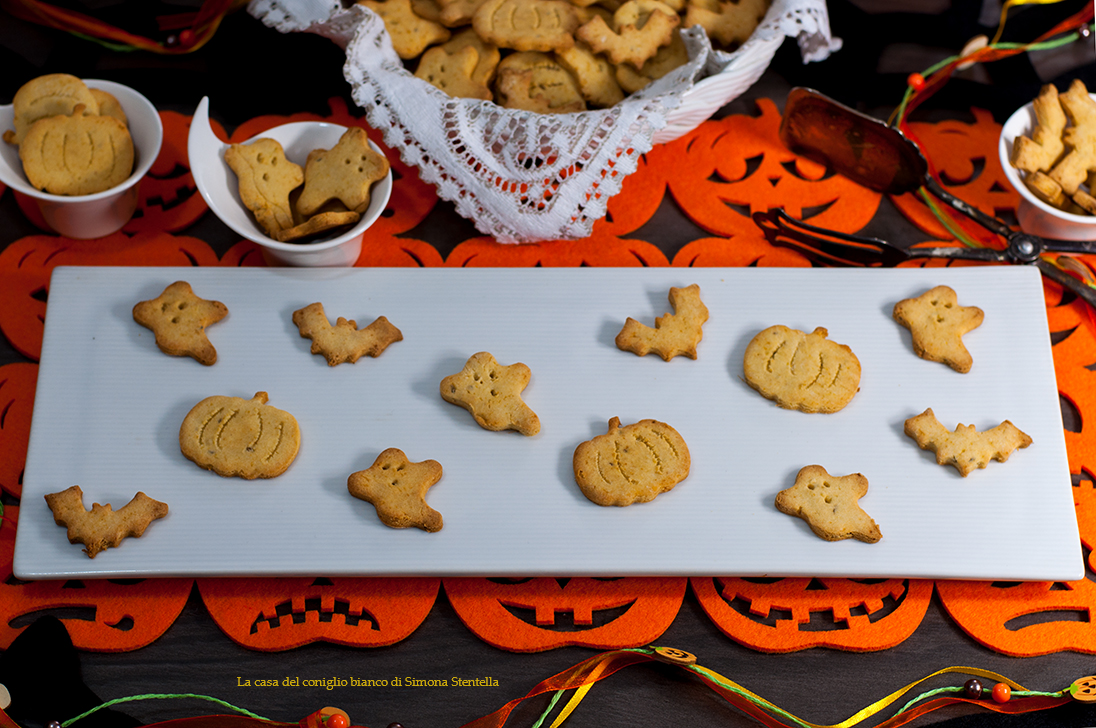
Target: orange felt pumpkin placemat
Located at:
point(717, 176)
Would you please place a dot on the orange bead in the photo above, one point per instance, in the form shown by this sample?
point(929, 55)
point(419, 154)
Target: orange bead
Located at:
point(916, 81)
point(1001, 693)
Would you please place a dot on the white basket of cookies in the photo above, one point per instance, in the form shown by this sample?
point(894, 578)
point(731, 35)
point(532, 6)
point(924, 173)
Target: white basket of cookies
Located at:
point(529, 114)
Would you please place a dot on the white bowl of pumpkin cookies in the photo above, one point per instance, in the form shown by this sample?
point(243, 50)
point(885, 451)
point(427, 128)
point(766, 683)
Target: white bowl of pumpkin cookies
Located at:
point(79, 148)
point(305, 192)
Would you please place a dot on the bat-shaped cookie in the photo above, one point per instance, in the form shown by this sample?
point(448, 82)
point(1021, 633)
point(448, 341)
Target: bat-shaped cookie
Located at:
point(102, 527)
point(344, 341)
point(965, 448)
point(673, 334)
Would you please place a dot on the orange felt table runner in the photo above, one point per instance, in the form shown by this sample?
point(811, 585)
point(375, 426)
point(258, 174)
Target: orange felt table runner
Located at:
point(717, 175)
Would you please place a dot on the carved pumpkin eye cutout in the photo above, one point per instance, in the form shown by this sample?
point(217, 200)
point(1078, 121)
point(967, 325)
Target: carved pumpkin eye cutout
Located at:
point(1023, 619)
point(965, 157)
point(101, 615)
point(168, 198)
point(786, 615)
point(726, 170)
point(537, 614)
point(283, 614)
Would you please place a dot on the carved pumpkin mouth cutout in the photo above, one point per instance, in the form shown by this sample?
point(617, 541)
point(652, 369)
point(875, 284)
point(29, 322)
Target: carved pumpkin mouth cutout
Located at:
point(785, 615)
point(826, 616)
point(173, 189)
point(317, 612)
point(573, 618)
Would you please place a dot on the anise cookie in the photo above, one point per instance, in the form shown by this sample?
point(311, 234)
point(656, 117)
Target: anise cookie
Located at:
point(452, 72)
point(79, 154)
point(545, 25)
point(410, 33)
point(102, 527)
point(235, 437)
point(673, 334)
point(344, 342)
point(631, 464)
point(937, 323)
point(178, 318)
point(55, 94)
point(397, 489)
point(801, 371)
point(728, 22)
point(830, 505)
point(640, 28)
point(491, 392)
point(346, 172)
point(965, 448)
point(535, 81)
point(265, 177)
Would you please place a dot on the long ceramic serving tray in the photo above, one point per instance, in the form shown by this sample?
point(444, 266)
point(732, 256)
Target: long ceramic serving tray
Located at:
point(109, 405)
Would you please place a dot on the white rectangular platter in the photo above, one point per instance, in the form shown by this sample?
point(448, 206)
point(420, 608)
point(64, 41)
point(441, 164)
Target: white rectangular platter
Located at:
point(109, 405)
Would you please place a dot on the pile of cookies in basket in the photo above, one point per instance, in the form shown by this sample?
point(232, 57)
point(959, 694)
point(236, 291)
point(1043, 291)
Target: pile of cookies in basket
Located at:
point(555, 56)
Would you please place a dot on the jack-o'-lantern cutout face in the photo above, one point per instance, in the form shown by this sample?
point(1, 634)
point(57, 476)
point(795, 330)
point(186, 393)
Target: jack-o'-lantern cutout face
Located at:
point(282, 614)
point(965, 159)
point(1024, 619)
point(726, 170)
point(101, 615)
point(168, 198)
point(785, 615)
point(536, 614)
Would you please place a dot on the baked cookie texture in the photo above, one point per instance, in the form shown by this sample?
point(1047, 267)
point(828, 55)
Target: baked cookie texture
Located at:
point(346, 173)
point(236, 437)
point(265, 177)
point(800, 371)
point(674, 334)
point(178, 318)
point(343, 342)
point(54, 94)
point(79, 154)
point(830, 505)
point(965, 448)
point(631, 464)
point(102, 527)
point(937, 323)
point(491, 392)
point(397, 489)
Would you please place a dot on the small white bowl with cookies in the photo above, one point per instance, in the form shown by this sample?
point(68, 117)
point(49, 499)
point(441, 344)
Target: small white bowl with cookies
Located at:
point(305, 192)
point(79, 148)
point(1045, 167)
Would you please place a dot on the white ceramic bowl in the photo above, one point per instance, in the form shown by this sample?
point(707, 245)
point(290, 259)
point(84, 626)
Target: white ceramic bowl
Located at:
point(1035, 216)
point(92, 216)
point(219, 188)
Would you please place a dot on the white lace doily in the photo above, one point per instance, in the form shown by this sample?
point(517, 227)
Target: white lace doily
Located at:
point(519, 176)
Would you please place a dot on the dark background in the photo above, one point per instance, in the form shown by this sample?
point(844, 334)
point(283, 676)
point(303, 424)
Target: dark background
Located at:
point(249, 70)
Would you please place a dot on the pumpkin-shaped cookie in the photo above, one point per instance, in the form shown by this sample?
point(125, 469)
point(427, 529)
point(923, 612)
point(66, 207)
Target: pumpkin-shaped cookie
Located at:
point(79, 154)
point(631, 464)
point(800, 371)
point(233, 436)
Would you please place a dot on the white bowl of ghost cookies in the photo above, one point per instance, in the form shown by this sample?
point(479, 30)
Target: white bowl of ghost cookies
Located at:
point(79, 148)
point(305, 192)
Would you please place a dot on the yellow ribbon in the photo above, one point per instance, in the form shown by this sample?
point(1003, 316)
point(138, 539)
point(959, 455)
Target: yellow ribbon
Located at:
point(725, 682)
point(1011, 3)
